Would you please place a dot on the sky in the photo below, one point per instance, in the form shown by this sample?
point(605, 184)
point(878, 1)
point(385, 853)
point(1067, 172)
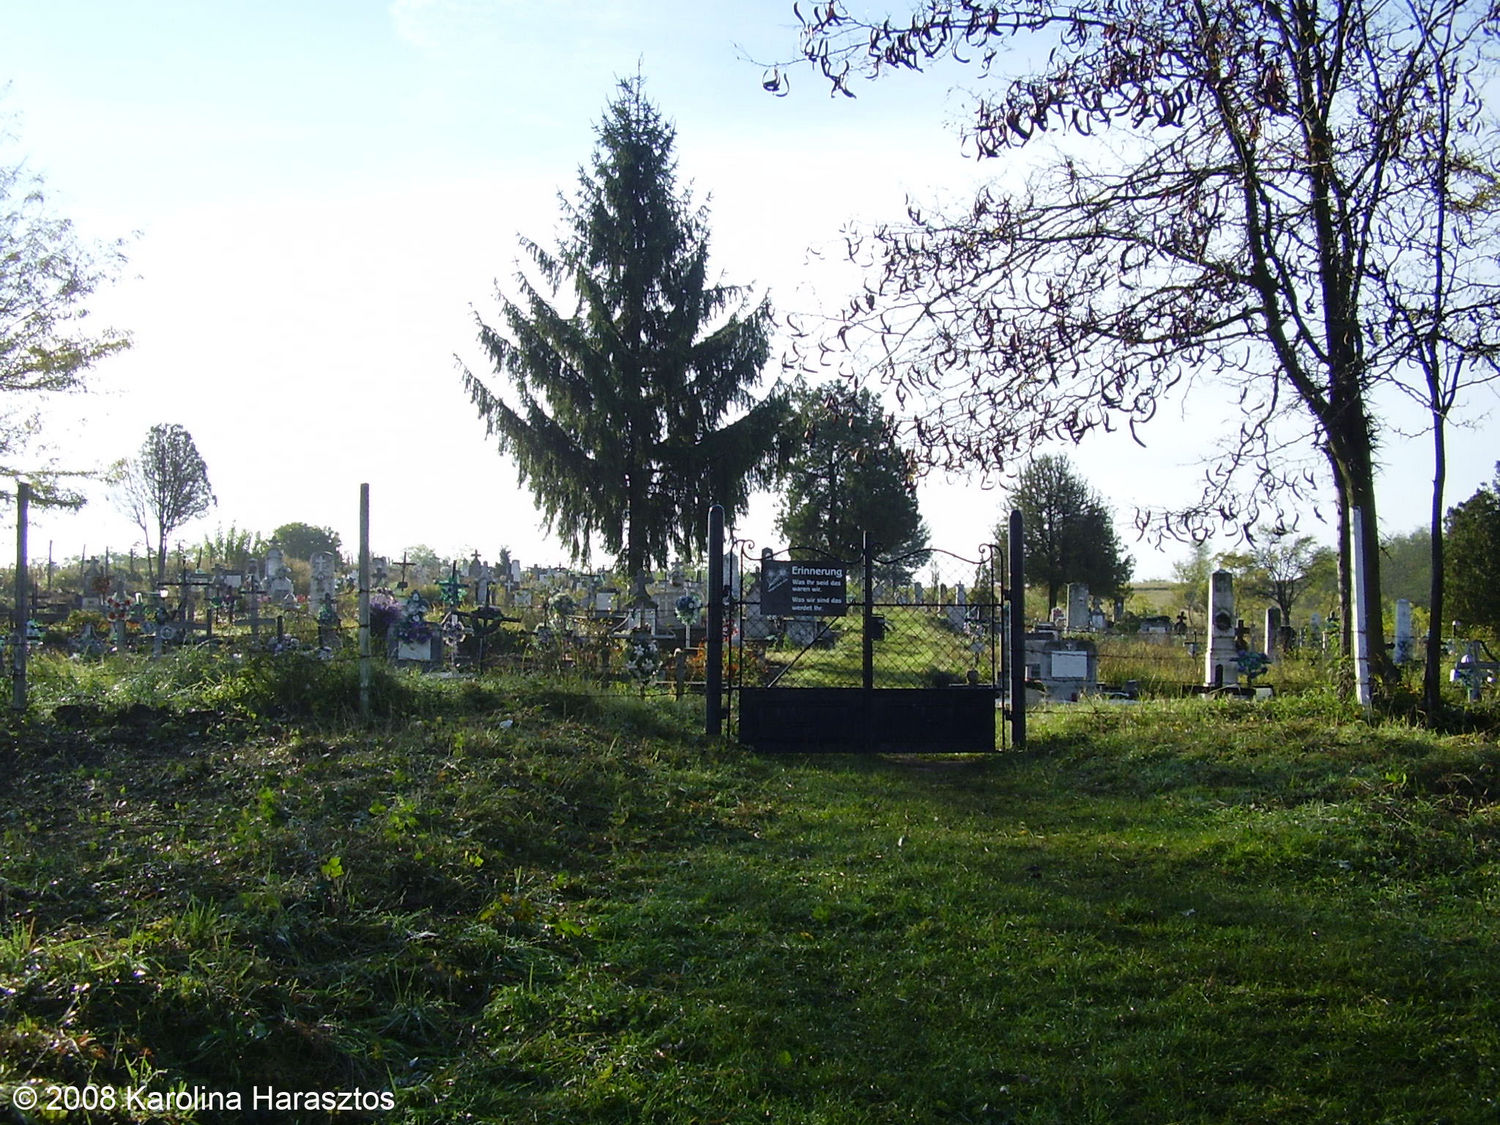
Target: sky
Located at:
point(319, 196)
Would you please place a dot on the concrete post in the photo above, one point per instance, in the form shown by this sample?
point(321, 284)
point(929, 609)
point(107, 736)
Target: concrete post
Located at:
point(1363, 691)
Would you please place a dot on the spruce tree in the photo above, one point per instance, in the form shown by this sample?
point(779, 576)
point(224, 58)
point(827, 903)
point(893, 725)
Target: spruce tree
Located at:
point(633, 409)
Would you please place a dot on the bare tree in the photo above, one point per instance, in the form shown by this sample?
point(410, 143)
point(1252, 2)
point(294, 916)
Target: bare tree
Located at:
point(1281, 569)
point(162, 488)
point(1439, 284)
point(1260, 155)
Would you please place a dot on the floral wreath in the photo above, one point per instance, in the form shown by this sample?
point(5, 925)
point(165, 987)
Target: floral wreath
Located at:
point(454, 630)
point(414, 628)
point(688, 607)
point(642, 656)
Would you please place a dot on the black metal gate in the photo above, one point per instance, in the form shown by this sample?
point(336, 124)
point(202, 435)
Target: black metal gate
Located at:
point(908, 654)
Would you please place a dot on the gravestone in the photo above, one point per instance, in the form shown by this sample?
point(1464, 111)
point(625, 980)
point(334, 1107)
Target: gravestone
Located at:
point(1219, 667)
point(480, 578)
point(801, 631)
point(95, 587)
point(755, 625)
point(278, 578)
point(324, 586)
point(1273, 632)
point(1068, 668)
point(958, 612)
point(1405, 647)
point(1078, 607)
point(415, 640)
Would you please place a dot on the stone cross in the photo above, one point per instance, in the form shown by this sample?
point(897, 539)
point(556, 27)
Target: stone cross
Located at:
point(324, 584)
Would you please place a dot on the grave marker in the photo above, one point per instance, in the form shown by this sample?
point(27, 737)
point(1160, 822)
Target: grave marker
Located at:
point(1220, 668)
point(1405, 647)
point(1078, 607)
point(324, 585)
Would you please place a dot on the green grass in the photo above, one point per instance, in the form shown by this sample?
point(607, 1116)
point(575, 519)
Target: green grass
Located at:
point(1190, 911)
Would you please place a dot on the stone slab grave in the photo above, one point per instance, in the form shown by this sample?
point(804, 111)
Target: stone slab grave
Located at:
point(1067, 667)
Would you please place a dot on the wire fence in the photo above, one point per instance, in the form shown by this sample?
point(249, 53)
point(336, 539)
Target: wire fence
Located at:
point(587, 649)
point(931, 619)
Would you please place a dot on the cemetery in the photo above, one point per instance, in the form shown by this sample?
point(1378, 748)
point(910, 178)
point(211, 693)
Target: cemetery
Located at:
point(468, 617)
point(859, 828)
point(937, 620)
point(532, 877)
point(516, 894)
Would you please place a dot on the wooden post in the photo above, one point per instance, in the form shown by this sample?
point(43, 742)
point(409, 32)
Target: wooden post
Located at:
point(364, 602)
point(18, 649)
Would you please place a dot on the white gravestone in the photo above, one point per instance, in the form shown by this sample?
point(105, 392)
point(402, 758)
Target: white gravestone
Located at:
point(278, 578)
point(1405, 647)
point(1219, 667)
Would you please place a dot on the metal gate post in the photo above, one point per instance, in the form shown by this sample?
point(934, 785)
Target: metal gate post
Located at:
point(1016, 596)
point(713, 722)
point(867, 661)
